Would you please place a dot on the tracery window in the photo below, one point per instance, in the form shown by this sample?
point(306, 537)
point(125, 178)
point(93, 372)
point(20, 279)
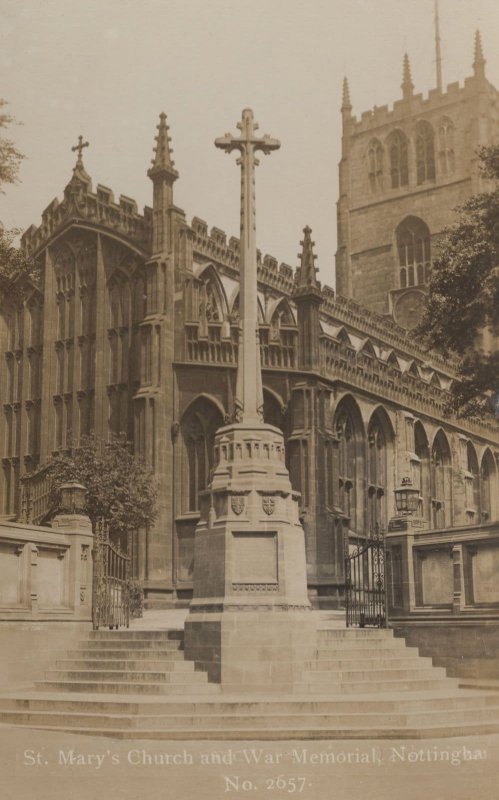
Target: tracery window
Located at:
point(425, 152)
point(441, 482)
point(446, 155)
point(488, 487)
point(421, 476)
point(472, 484)
point(414, 251)
point(375, 161)
point(198, 429)
point(376, 492)
point(152, 289)
point(346, 464)
point(399, 161)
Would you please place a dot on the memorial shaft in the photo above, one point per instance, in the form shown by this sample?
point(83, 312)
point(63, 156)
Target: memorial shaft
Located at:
point(249, 397)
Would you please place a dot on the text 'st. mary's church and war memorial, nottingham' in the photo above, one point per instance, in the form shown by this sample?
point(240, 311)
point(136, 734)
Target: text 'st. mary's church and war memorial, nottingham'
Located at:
point(134, 330)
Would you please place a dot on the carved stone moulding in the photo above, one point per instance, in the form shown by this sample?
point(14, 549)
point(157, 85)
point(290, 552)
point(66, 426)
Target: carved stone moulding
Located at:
point(255, 587)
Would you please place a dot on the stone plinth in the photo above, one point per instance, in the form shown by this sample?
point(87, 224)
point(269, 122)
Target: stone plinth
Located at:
point(248, 622)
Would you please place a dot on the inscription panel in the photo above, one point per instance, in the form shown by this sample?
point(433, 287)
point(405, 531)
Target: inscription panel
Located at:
point(254, 558)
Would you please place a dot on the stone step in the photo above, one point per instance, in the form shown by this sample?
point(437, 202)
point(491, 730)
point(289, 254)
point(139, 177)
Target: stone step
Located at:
point(396, 661)
point(166, 676)
point(224, 722)
point(361, 644)
point(124, 654)
point(357, 654)
point(270, 733)
point(131, 644)
point(185, 688)
point(172, 635)
point(124, 665)
point(422, 702)
point(395, 685)
point(374, 675)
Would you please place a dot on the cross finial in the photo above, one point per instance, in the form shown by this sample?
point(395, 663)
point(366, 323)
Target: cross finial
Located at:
point(247, 142)
point(79, 148)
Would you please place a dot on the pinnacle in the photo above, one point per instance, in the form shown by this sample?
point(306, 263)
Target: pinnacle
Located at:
point(479, 62)
point(307, 269)
point(346, 104)
point(407, 84)
point(163, 160)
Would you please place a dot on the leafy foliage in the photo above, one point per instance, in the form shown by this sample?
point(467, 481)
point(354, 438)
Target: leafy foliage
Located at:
point(121, 489)
point(14, 261)
point(464, 294)
point(10, 157)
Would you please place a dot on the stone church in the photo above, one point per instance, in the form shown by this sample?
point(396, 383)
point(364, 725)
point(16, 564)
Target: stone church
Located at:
point(133, 329)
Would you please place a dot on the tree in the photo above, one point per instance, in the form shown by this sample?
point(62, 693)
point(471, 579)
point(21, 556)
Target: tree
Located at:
point(463, 297)
point(14, 262)
point(121, 489)
point(10, 157)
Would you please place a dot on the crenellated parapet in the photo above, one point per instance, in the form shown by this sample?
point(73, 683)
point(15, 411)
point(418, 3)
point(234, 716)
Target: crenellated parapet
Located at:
point(420, 105)
point(214, 246)
point(99, 209)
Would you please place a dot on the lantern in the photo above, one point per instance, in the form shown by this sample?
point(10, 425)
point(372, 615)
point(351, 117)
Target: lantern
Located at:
point(407, 498)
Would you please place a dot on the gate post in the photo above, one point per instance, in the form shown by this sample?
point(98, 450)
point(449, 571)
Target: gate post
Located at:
point(78, 575)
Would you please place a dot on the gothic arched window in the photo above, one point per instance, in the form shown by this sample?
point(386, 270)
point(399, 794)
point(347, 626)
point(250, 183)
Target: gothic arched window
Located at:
point(375, 163)
point(441, 487)
point(488, 487)
point(347, 467)
point(379, 440)
point(349, 459)
point(376, 491)
point(472, 484)
point(414, 251)
point(399, 162)
point(421, 473)
point(446, 155)
point(198, 428)
point(425, 152)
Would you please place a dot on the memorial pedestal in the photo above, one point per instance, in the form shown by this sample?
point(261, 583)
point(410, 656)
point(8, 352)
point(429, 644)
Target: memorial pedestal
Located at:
point(248, 622)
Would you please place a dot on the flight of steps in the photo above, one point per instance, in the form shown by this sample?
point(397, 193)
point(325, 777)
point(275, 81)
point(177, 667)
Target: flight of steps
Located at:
point(356, 684)
point(128, 662)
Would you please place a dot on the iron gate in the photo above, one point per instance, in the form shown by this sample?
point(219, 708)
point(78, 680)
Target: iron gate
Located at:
point(365, 587)
point(111, 584)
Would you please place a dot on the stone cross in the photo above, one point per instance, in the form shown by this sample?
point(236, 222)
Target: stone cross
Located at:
point(249, 396)
point(79, 147)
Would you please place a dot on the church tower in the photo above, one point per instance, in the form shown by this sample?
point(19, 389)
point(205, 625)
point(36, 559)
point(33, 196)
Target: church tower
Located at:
point(402, 173)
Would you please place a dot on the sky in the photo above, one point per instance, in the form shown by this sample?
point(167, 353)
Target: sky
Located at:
point(106, 69)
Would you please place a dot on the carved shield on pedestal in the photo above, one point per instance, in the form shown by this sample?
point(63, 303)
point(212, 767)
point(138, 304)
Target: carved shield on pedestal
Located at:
point(268, 504)
point(237, 503)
